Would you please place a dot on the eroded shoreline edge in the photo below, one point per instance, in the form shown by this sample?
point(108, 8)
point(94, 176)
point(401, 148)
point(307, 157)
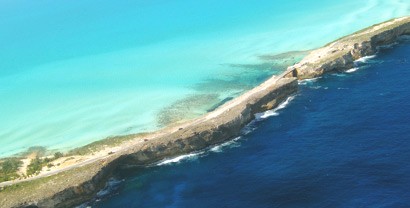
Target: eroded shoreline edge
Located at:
point(79, 184)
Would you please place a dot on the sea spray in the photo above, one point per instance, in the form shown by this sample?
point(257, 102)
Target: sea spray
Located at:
point(228, 144)
point(273, 112)
point(364, 59)
point(308, 81)
point(190, 156)
point(352, 70)
point(333, 148)
point(232, 143)
point(195, 155)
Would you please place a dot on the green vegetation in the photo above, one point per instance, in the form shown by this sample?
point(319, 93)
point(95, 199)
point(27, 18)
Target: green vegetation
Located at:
point(35, 166)
point(38, 163)
point(101, 144)
point(58, 155)
point(9, 168)
point(41, 188)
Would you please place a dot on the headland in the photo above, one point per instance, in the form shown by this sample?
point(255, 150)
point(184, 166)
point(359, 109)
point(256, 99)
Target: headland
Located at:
point(87, 173)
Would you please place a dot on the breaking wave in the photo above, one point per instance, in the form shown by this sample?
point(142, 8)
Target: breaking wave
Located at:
point(352, 70)
point(232, 143)
point(273, 112)
point(178, 159)
point(308, 81)
point(364, 59)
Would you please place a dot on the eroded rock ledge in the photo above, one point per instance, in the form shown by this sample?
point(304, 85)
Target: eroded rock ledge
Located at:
point(79, 184)
point(341, 54)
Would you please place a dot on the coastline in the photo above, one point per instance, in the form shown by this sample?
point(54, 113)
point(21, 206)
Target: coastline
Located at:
point(222, 124)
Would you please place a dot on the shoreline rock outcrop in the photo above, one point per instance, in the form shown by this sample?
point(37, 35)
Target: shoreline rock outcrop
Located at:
point(80, 184)
point(214, 130)
point(341, 54)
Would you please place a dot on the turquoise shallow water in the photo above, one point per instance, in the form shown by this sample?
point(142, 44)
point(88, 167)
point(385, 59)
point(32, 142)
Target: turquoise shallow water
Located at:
point(73, 72)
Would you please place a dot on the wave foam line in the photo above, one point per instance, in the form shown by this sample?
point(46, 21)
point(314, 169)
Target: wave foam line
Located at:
point(273, 112)
point(180, 158)
point(308, 81)
point(364, 59)
point(352, 70)
point(232, 143)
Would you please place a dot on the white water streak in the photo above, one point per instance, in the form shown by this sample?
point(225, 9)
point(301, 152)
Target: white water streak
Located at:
point(273, 112)
point(180, 158)
point(352, 70)
point(364, 59)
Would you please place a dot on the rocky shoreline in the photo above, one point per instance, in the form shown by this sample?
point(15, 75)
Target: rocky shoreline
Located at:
point(341, 54)
point(79, 184)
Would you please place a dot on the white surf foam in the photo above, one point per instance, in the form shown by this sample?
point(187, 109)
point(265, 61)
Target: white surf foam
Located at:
point(352, 70)
point(232, 143)
point(307, 81)
point(266, 114)
point(273, 112)
point(180, 158)
point(284, 104)
point(365, 59)
point(195, 155)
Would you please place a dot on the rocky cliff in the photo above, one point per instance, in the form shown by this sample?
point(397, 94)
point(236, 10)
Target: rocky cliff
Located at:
point(80, 184)
point(216, 127)
point(226, 125)
point(341, 54)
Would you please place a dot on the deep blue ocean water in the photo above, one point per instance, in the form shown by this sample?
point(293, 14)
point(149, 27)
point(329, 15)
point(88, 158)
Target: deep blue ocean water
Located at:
point(343, 141)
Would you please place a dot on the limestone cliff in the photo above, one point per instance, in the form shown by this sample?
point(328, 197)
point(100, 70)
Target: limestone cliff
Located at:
point(81, 183)
point(223, 124)
point(341, 54)
point(216, 129)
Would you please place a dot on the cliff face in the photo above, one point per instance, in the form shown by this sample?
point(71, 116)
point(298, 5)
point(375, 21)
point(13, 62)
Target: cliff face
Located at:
point(76, 193)
point(341, 54)
point(222, 124)
point(207, 131)
point(215, 130)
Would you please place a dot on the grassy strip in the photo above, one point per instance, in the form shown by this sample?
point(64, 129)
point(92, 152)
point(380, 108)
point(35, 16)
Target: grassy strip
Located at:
point(9, 168)
point(38, 189)
point(37, 163)
point(101, 144)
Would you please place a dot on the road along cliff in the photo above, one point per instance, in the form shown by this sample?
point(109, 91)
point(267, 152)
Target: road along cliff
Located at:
point(82, 182)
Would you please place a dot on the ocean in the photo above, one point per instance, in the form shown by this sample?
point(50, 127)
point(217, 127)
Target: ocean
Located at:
point(341, 141)
point(74, 72)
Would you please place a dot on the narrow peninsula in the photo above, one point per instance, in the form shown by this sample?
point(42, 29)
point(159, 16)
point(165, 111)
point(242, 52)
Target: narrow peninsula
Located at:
point(86, 170)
